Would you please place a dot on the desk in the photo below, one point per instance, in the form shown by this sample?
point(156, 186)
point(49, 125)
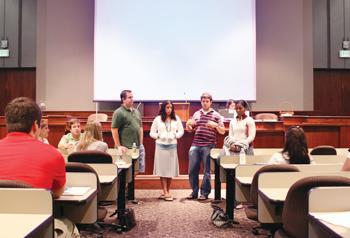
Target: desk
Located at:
point(79, 209)
point(23, 225)
point(230, 189)
point(122, 168)
point(107, 179)
point(77, 199)
point(274, 195)
point(325, 229)
point(26, 212)
point(214, 154)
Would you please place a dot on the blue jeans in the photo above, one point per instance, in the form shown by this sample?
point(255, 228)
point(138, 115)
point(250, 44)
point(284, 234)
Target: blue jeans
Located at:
point(142, 156)
point(196, 155)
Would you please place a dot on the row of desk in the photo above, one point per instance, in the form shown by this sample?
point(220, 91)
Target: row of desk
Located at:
point(33, 217)
point(273, 187)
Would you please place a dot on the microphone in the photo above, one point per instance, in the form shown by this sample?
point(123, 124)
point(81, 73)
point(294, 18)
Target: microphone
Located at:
point(138, 105)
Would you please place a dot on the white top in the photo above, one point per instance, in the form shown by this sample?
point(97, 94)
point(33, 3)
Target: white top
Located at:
point(164, 134)
point(283, 158)
point(242, 131)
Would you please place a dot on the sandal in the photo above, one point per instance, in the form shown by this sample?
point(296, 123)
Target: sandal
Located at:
point(161, 196)
point(169, 198)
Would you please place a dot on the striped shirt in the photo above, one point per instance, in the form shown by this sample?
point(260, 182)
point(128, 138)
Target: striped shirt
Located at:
point(205, 136)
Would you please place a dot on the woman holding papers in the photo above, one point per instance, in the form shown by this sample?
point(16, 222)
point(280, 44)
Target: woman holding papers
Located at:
point(241, 133)
point(295, 150)
point(166, 129)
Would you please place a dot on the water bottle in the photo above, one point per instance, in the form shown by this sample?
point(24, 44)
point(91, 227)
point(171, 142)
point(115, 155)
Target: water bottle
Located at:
point(134, 147)
point(242, 159)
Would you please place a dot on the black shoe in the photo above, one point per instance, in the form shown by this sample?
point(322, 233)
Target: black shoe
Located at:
point(191, 197)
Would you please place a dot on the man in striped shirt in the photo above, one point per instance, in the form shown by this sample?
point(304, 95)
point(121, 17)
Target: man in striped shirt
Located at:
point(205, 124)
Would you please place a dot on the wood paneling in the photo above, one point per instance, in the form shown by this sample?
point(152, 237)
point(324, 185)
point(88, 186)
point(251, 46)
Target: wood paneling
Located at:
point(16, 83)
point(320, 130)
point(332, 92)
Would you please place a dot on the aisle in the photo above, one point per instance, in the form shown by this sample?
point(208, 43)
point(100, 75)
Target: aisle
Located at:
point(179, 218)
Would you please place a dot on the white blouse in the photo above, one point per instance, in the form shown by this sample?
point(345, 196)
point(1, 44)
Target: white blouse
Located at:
point(242, 131)
point(283, 158)
point(164, 134)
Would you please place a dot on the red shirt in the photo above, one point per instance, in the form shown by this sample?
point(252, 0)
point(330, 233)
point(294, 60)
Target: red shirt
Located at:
point(26, 159)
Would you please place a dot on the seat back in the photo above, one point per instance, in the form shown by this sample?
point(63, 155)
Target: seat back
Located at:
point(296, 206)
point(97, 117)
point(84, 168)
point(268, 168)
point(13, 184)
point(324, 150)
point(266, 116)
point(90, 157)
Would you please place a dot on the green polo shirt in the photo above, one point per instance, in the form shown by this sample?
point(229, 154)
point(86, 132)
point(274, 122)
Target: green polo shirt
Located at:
point(128, 122)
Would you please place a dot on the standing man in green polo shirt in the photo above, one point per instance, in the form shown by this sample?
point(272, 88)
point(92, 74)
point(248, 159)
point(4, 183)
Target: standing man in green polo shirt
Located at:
point(127, 127)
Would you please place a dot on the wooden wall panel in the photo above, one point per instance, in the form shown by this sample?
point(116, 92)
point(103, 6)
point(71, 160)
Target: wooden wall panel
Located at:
point(332, 92)
point(19, 82)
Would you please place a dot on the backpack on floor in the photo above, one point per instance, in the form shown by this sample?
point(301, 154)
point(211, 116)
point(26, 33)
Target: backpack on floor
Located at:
point(219, 218)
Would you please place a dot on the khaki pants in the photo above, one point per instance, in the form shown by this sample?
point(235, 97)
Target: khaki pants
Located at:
point(64, 228)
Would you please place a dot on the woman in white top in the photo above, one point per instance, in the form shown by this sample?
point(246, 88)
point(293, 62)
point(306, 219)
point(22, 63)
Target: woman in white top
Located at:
point(295, 150)
point(242, 131)
point(166, 129)
point(92, 138)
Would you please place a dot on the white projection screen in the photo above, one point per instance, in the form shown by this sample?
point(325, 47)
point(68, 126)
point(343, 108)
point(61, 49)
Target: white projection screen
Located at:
point(175, 49)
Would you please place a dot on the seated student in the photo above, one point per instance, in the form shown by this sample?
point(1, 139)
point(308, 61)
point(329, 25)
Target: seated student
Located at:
point(70, 140)
point(44, 131)
point(346, 165)
point(92, 138)
point(295, 150)
point(24, 158)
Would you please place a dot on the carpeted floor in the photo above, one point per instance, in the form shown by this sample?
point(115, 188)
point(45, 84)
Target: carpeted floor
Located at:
point(179, 218)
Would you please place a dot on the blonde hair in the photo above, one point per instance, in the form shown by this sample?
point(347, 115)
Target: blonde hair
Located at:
point(92, 133)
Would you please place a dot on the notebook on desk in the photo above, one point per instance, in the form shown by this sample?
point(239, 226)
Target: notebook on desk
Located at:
point(75, 191)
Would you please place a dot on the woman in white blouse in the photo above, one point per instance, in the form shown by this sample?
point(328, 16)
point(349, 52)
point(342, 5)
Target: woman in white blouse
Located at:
point(242, 131)
point(166, 129)
point(295, 150)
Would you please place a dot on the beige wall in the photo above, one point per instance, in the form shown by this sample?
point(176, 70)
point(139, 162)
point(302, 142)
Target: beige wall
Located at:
point(65, 54)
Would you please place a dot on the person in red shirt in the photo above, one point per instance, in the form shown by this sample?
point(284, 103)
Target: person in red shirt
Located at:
point(23, 157)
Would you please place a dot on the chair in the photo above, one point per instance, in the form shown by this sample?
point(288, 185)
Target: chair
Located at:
point(296, 205)
point(102, 211)
point(97, 117)
point(90, 157)
point(252, 211)
point(13, 184)
point(323, 150)
point(266, 116)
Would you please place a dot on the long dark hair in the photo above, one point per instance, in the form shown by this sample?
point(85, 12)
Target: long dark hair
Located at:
point(162, 112)
point(296, 146)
